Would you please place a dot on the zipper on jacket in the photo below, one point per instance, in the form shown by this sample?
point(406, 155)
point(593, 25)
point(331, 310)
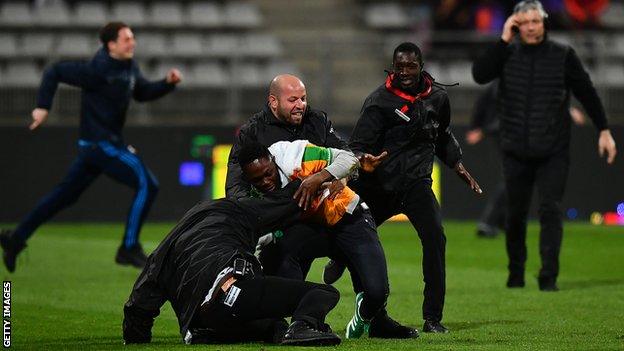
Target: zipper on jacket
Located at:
point(527, 105)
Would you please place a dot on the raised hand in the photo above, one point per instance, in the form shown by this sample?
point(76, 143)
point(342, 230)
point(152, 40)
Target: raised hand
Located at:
point(368, 162)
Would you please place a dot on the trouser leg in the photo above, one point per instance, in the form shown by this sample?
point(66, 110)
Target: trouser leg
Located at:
point(261, 300)
point(292, 255)
point(496, 208)
point(356, 238)
point(80, 175)
point(423, 211)
point(519, 179)
point(127, 168)
point(551, 176)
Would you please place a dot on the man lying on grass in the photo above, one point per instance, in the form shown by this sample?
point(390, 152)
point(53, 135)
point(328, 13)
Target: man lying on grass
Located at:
point(207, 270)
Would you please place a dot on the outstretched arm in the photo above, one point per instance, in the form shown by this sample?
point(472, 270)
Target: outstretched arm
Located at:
point(145, 90)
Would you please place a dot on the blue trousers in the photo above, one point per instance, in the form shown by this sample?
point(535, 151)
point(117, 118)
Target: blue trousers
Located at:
point(93, 159)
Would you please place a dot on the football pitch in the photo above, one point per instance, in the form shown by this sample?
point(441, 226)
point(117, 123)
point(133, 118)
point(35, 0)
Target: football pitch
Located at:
point(67, 293)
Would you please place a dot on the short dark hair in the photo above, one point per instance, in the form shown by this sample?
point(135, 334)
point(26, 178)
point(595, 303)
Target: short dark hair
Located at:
point(110, 32)
point(408, 47)
point(251, 151)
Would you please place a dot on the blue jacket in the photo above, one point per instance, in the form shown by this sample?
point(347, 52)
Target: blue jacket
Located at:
point(107, 87)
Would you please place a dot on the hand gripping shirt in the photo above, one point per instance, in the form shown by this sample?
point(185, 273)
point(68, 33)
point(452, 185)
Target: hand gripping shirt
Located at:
point(299, 159)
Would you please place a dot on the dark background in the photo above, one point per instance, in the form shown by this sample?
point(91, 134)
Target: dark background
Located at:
point(33, 162)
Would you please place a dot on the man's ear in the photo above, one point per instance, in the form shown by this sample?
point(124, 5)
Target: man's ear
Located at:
point(273, 101)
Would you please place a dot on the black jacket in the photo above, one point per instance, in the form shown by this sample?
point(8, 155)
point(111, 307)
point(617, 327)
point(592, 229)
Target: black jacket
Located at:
point(266, 129)
point(411, 145)
point(107, 87)
point(185, 265)
point(534, 95)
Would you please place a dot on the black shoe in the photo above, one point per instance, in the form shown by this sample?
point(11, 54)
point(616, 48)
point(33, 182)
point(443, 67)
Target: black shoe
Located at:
point(434, 327)
point(547, 284)
point(11, 248)
point(515, 280)
point(133, 256)
point(333, 271)
point(301, 334)
point(385, 327)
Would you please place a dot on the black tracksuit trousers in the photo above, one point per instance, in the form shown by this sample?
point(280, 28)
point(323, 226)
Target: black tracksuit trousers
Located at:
point(421, 207)
point(549, 175)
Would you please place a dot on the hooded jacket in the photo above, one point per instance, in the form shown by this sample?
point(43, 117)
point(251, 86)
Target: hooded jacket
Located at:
point(107, 86)
point(184, 267)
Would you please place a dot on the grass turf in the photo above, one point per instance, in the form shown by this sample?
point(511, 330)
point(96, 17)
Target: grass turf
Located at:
point(68, 294)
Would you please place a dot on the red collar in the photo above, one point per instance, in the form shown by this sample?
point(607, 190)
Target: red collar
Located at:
point(411, 98)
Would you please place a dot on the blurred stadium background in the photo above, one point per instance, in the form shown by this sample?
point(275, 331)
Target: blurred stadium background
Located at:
point(229, 50)
point(69, 294)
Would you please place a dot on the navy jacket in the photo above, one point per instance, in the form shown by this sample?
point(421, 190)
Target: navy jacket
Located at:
point(107, 87)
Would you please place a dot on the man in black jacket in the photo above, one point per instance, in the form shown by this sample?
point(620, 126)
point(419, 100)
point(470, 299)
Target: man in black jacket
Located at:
point(207, 269)
point(285, 117)
point(536, 77)
point(408, 116)
point(108, 82)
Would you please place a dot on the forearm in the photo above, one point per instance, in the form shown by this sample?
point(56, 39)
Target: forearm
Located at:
point(448, 149)
point(148, 91)
point(578, 80)
point(343, 163)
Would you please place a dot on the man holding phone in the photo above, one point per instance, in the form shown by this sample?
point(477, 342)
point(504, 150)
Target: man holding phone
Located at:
point(536, 78)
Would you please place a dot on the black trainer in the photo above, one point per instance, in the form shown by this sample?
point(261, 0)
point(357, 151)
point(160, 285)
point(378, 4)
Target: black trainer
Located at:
point(11, 248)
point(385, 327)
point(299, 333)
point(133, 256)
point(515, 280)
point(547, 284)
point(333, 271)
point(434, 327)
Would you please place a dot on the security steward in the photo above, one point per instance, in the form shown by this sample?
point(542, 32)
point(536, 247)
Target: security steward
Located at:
point(207, 270)
point(408, 116)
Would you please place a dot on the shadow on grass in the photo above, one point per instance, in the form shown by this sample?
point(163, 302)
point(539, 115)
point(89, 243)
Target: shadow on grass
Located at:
point(479, 324)
point(587, 284)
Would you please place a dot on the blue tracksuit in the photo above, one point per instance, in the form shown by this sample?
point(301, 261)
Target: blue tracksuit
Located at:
point(107, 87)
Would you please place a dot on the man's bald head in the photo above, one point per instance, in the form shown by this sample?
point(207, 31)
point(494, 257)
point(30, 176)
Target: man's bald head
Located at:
point(282, 81)
point(287, 98)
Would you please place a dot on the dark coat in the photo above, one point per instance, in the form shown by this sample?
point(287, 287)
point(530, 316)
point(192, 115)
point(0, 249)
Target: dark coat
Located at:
point(185, 265)
point(411, 145)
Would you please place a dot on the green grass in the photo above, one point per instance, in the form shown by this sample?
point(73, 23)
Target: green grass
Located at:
point(68, 294)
